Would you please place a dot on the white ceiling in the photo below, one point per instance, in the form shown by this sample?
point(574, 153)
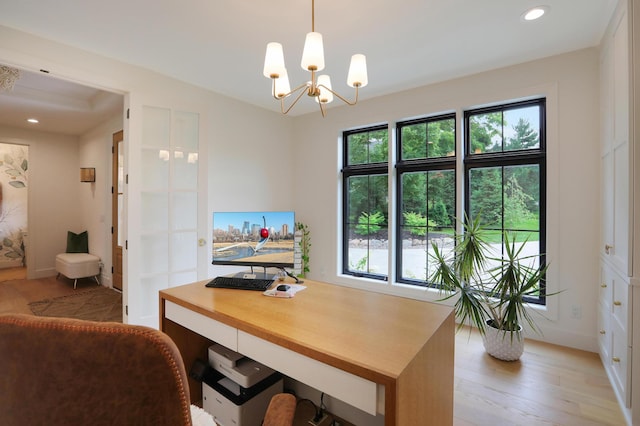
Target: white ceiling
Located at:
point(220, 44)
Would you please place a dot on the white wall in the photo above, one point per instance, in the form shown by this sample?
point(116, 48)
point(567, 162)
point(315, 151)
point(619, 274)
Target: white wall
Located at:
point(54, 180)
point(250, 166)
point(570, 84)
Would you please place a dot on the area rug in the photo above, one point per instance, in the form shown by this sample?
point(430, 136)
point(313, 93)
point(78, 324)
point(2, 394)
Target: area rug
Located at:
point(97, 304)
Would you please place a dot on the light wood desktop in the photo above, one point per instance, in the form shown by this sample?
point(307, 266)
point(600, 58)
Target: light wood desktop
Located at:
point(383, 354)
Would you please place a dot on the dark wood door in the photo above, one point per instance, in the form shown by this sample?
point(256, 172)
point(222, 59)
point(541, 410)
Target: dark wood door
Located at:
point(116, 205)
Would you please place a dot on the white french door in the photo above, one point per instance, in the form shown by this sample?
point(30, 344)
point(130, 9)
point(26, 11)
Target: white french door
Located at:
point(163, 225)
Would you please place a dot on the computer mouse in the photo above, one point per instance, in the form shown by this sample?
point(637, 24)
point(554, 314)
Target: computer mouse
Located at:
point(283, 287)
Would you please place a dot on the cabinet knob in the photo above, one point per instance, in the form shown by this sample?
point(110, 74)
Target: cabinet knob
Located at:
point(603, 285)
point(603, 332)
point(615, 359)
point(617, 303)
point(607, 248)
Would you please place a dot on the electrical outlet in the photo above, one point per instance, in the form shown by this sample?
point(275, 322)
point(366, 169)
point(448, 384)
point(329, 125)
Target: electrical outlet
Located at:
point(312, 421)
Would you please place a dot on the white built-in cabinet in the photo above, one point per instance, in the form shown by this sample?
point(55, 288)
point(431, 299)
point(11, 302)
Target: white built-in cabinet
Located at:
point(618, 344)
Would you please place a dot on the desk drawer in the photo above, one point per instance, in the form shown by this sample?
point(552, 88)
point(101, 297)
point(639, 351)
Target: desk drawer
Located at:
point(347, 387)
point(204, 326)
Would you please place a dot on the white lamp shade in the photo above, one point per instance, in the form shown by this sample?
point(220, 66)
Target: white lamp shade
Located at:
point(325, 95)
point(282, 87)
point(358, 71)
point(273, 60)
point(313, 53)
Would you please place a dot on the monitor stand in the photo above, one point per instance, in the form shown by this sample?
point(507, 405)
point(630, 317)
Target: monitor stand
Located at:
point(256, 274)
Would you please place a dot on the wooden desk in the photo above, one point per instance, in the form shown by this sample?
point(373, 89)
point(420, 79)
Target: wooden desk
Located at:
point(380, 353)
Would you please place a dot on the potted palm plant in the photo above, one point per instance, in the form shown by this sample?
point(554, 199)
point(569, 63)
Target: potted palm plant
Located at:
point(491, 291)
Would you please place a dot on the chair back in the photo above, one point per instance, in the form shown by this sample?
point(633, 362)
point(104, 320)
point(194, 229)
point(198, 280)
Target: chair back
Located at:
point(60, 371)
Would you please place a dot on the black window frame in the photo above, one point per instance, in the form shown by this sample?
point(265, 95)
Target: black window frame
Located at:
point(355, 170)
point(537, 156)
point(418, 165)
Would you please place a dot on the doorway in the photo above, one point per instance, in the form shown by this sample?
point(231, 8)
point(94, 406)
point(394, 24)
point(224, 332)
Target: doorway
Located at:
point(117, 196)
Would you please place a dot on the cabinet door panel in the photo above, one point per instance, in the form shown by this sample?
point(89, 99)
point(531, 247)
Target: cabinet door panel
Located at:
point(621, 234)
point(619, 362)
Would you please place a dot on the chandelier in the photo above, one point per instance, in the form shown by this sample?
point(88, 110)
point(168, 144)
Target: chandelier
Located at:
point(319, 87)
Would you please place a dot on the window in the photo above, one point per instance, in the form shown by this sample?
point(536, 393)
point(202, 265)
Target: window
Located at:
point(504, 161)
point(505, 169)
point(366, 203)
point(426, 182)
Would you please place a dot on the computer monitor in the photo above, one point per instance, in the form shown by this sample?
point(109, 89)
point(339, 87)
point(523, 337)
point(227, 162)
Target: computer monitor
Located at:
point(263, 239)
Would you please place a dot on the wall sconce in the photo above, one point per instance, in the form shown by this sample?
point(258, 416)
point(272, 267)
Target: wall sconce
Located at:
point(87, 174)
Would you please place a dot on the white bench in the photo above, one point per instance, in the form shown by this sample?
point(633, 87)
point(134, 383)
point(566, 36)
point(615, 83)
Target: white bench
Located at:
point(78, 265)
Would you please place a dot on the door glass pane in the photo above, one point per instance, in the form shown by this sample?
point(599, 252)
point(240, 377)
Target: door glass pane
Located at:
point(187, 258)
point(155, 164)
point(155, 212)
point(154, 258)
point(156, 127)
point(186, 130)
point(185, 151)
point(185, 166)
point(184, 205)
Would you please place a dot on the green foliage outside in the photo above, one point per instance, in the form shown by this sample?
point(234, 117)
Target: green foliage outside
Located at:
point(369, 224)
point(417, 224)
point(508, 197)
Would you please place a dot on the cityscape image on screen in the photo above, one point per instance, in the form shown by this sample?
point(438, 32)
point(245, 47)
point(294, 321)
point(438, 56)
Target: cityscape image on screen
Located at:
point(262, 239)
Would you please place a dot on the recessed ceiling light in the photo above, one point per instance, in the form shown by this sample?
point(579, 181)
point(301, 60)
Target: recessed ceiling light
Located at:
point(33, 120)
point(535, 13)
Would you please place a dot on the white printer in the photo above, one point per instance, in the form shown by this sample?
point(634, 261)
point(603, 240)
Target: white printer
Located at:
point(237, 390)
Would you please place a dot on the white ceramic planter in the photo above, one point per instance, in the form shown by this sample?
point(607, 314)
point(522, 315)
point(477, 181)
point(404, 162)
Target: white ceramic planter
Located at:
point(506, 346)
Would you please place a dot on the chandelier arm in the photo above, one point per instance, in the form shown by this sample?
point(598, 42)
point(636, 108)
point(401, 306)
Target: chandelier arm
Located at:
point(350, 103)
point(302, 92)
point(286, 94)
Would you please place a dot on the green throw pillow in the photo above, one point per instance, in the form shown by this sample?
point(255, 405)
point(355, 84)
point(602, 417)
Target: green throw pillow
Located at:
point(77, 243)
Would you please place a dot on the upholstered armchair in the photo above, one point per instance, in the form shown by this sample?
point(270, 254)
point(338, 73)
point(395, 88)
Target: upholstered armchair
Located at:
point(58, 371)
point(61, 372)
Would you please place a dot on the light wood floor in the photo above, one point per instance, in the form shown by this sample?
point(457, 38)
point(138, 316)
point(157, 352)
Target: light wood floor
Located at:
point(15, 296)
point(549, 385)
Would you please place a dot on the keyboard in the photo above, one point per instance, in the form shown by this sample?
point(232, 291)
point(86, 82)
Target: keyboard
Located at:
point(240, 283)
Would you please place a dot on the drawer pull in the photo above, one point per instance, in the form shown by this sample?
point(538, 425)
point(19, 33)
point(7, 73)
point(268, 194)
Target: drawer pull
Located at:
point(603, 285)
point(615, 359)
point(617, 303)
point(603, 332)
